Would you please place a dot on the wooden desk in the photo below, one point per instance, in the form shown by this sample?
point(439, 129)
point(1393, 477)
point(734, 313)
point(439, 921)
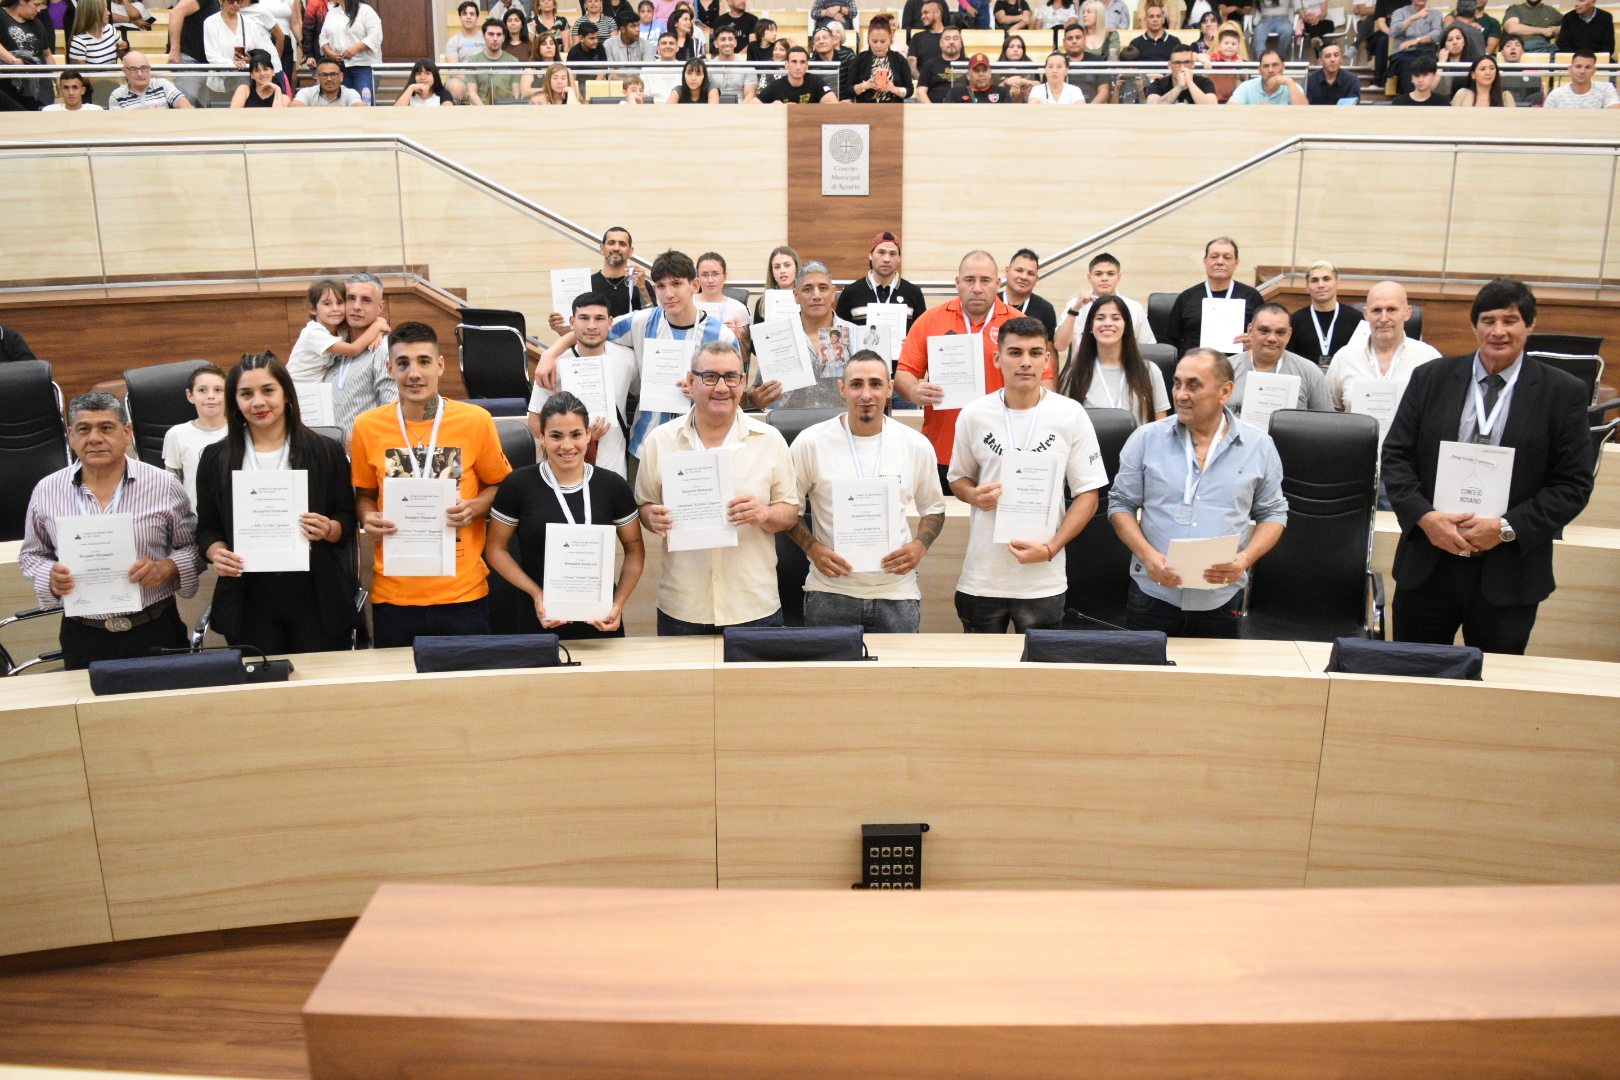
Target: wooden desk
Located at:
point(1603, 510)
point(1439, 984)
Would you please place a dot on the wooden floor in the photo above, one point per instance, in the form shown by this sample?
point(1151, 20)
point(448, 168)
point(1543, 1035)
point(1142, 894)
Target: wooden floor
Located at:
point(231, 1012)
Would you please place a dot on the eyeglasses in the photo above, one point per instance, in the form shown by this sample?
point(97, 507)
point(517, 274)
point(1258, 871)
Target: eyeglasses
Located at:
point(145, 69)
point(710, 378)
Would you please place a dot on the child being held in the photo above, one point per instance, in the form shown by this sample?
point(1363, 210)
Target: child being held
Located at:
point(326, 336)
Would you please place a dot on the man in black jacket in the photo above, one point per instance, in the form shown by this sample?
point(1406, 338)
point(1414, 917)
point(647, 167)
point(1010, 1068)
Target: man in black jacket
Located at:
point(1187, 315)
point(1486, 574)
point(13, 347)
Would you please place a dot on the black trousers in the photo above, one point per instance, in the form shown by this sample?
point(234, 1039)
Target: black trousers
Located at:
point(82, 644)
point(281, 614)
point(1144, 612)
point(1450, 600)
point(397, 626)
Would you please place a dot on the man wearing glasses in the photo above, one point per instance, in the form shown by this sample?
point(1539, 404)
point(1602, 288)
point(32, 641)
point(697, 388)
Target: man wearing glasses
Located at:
point(141, 91)
point(701, 591)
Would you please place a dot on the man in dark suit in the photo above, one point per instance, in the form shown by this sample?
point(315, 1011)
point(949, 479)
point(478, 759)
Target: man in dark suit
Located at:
point(1486, 574)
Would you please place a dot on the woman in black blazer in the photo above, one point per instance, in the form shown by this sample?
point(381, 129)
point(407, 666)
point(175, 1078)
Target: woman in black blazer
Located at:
point(278, 612)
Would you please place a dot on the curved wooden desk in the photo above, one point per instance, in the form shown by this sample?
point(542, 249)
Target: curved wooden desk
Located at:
point(654, 765)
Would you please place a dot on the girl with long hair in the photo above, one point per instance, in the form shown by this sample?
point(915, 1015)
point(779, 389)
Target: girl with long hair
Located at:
point(518, 41)
point(695, 88)
point(261, 91)
point(425, 87)
point(1483, 89)
point(781, 271)
point(1108, 372)
point(556, 88)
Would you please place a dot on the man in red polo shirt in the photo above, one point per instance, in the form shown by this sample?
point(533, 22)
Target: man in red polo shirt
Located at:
point(977, 309)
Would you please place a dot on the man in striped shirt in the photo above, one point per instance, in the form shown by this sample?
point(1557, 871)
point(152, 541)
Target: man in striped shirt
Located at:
point(362, 382)
point(141, 91)
point(105, 481)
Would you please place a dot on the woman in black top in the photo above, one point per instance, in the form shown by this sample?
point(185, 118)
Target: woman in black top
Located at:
point(286, 611)
point(877, 74)
point(554, 493)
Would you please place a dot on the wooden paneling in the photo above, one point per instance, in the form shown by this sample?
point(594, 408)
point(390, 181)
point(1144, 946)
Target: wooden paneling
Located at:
point(287, 803)
point(1603, 511)
point(1437, 984)
point(1029, 776)
point(1431, 784)
point(407, 30)
point(838, 230)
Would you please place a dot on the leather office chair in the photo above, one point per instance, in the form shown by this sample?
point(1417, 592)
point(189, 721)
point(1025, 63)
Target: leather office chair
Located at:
point(494, 353)
point(517, 442)
point(1588, 368)
point(792, 422)
point(1099, 563)
point(156, 399)
point(33, 438)
point(1165, 358)
point(1159, 306)
point(1414, 325)
point(1313, 585)
point(511, 611)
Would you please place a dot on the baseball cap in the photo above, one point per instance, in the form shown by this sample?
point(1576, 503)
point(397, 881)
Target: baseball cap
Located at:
point(978, 59)
point(883, 238)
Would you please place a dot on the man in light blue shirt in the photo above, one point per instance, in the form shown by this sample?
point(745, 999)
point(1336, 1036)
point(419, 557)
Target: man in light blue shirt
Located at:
point(1199, 474)
point(1271, 88)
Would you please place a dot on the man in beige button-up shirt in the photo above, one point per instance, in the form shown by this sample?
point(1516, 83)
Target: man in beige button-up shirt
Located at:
point(701, 591)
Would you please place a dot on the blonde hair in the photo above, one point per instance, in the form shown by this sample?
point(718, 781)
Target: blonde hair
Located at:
point(1322, 264)
point(1243, 41)
point(545, 83)
point(91, 18)
point(632, 80)
point(1101, 25)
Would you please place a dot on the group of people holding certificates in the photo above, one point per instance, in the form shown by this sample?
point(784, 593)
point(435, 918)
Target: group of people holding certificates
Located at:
point(1486, 458)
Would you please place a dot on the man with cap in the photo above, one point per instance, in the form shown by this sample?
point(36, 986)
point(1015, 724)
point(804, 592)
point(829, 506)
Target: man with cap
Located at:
point(979, 88)
point(883, 285)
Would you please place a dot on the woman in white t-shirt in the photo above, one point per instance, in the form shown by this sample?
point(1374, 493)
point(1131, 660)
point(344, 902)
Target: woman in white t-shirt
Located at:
point(353, 34)
point(1056, 89)
point(1108, 371)
point(424, 89)
point(1057, 14)
point(711, 297)
point(229, 34)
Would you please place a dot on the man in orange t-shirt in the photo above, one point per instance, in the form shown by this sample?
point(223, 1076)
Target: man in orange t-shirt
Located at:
point(977, 309)
point(427, 436)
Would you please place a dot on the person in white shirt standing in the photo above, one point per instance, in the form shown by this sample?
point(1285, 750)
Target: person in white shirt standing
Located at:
point(999, 438)
point(592, 320)
point(353, 35)
point(1386, 353)
point(864, 444)
point(183, 444)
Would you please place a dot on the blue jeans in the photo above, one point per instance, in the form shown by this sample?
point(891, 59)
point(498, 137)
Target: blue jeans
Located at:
point(876, 616)
point(1144, 612)
point(397, 626)
point(670, 626)
point(1281, 25)
point(991, 614)
point(358, 79)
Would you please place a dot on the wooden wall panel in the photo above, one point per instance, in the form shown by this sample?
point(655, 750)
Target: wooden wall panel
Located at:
point(337, 209)
point(57, 238)
point(1549, 236)
point(173, 214)
point(1603, 511)
point(838, 230)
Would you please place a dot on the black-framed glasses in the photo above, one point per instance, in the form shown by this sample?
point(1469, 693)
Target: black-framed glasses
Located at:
point(710, 378)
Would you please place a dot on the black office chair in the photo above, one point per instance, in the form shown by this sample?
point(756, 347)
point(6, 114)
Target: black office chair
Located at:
point(1159, 306)
point(517, 442)
point(33, 438)
point(511, 610)
point(1165, 358)
point(335, 434)
point(494, 353)
point(480, 316)
point(792, 422)
point(1313, 585)
point(1099, 563)
point(1414, 325)
point(1588, 368)
point(156, 399)
point(740, 295)
point(1567, 344)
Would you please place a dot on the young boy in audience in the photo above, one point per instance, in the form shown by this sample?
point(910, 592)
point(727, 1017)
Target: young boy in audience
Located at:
point(184, 443)
point(326, 335)
point(634, 90)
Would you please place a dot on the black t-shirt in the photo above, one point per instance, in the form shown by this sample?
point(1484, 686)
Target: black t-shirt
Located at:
point(922, 46)
point(996, 95)
point(1010, 8)
point(757, 53)
point(1149, 49)
point(29, 43)
point(857, 294)
point(580, 52)
point(810, 91)
point(1038, 307)
point(1433, 99)
point(528, 503)
point(1306, 324)
point(13, 346)
point(743, 24)
point(1187, 313)
point(862, 68)
point(620, 292)
point(911, 15)
point(1162, 86)
point(191, 32)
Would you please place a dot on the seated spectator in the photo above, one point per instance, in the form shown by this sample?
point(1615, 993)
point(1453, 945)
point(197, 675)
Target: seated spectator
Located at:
point(1586, 28)
point(1181, 86)
point(557, 88)
point(1483, 89)
point(664, 76)
point(467, 42)
point(1056, 89)
point(230, 36)
point(635, 91)
point(589, 46)
point(764, 40)
point(130, 15)
point(689, 38)
point(262, 92)
point(1208, 25)
point(1525, 89)
point(1272, 87)
point(183, 444)
point(1155, 42)
point(1274, 19)
point(695, 88)
point(823, 12)
point(1537, 24)
point(1425, 74)
point(591, 12)
point(1108, 371)
point(1057, 14)
point(1581, 92)
point(735, 84)
point(1118, 15)
point(1414, 30)
point(979, 86)
point(548, 20)
point(70, 84)
point(1099, 45)
point(424, 89)
point(733, 14)
point(518, 42)
point(487, 89)
point(1473, 46)
point(1481, 28)
point(1012, 15)
point(93, 40)
point(1454, 48)
point(1315, 26)
point(823, 51)
point(936, 77)
point(798, 85)
point(1331, 84)
point(878, 75)
point(26, 37)
point(141, 91)
point(629, 47)
point(329, 89)
point(1270, 330)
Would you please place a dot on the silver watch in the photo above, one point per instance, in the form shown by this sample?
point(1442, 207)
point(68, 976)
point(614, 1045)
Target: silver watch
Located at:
point(1508, 535)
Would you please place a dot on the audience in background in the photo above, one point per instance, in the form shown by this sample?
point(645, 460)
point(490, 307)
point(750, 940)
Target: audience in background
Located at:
point(1581, 92)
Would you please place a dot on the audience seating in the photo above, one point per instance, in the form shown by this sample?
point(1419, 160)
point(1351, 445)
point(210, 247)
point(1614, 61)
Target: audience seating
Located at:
point(1099, 563)
point(33, 438)
point(494, 353)
point(1313, 584)
point(1164, 357)
point(1159, 306)
point(156, 400)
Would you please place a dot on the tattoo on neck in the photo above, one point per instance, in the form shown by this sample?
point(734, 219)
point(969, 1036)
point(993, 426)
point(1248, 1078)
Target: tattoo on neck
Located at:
point(928, 529)
point(431, 409)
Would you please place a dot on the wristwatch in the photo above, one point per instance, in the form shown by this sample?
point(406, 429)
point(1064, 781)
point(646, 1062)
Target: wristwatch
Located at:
point(1507, 534)
point(1073, 314)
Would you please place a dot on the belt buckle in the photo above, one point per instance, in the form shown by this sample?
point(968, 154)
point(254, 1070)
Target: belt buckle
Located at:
point(119, 625)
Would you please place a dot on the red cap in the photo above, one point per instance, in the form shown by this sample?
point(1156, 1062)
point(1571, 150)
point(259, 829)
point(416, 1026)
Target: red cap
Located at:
point(979, 60)
point(884, 238)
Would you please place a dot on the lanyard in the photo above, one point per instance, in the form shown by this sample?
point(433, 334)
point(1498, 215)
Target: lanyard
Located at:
point(252, 455)
point(1486, 424)
point(1394, 361)
point(1034, 421)
point(982, 325)
point(1327, 338)
point(1195, 477)
point(871, 279)
point(1006, 298)
point(1114, 402)
point(877, 467)
point(1228, 294)
point(433, 440)
point(556, 489)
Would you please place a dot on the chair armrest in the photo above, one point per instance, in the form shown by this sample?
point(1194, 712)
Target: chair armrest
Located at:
point(1594, 413)
point(1376, 624)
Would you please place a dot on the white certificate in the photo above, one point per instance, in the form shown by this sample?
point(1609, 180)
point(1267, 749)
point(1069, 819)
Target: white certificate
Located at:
point(425, 545)
point(587, 378)
point(891, 317)
point(1188, 559)
point(717, 308)
point(565, 286)
point(1029, 484)
point(779, 304)
point(1222, 320)
point(265, 512)
point(579, 572)
point(1473, 478)
point(1377, 398)
point(315, 407)
point(664, 363)
point(697, 489)
point(1264, 392)
point(99, 550)
point(956, 363)
point(863, 521)
point(781, 359)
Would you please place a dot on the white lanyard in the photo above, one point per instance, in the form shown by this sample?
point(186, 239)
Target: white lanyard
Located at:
point(252, 455)
point(417, 469)
point(1227, 296)
point(1114, 402)
point(871, 279)
point(1006, 298)
point(982, 325)
point(1325, 339)
point(1195, 476)
point(1034, 422)
point(556, 489)
point(1394, 361)
point(877, 467)
point(1486, 424)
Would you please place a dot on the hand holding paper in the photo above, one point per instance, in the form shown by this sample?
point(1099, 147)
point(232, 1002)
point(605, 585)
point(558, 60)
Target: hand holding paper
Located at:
point(1196, 562)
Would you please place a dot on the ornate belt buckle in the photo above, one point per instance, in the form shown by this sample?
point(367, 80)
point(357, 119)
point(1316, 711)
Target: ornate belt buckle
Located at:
point(119, 625)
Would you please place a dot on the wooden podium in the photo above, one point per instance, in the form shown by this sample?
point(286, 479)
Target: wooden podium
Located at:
point(592, 984)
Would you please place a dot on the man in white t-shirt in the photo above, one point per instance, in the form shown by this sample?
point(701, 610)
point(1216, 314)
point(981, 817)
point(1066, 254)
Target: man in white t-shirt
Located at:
point(328, 89)
point(70, 84)
point(864, 444)
point(1103, 276)
point(1385, 353)
point(1021, 581)
point(1581, 92)
point(591, 322)
point(183, 444)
